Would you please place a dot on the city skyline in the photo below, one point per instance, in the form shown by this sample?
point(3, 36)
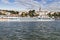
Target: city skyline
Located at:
point(53, 5)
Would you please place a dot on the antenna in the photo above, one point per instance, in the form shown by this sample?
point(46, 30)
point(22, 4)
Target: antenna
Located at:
point(39, 9)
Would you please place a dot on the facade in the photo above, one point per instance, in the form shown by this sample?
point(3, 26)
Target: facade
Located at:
point(43, 14)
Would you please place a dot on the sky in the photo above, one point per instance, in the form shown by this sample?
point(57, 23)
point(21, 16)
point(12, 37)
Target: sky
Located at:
point(50, 5)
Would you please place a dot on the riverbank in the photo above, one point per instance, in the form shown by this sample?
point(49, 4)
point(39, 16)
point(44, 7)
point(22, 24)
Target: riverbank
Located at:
point(24, 19)
point(3, 19)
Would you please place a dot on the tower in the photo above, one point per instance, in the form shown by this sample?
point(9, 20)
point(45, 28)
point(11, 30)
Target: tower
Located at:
point(39, 9)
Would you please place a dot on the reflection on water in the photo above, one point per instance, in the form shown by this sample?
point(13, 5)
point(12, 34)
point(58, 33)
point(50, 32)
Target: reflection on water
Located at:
point(30, 30)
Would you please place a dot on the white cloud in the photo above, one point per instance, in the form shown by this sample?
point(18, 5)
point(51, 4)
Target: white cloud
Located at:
point(5, 1)
point(55, 6)
point(43, 1)
point(28, 4)
point(32, 4)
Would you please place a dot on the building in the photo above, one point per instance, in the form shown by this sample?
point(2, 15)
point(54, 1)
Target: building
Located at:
point(42, 14)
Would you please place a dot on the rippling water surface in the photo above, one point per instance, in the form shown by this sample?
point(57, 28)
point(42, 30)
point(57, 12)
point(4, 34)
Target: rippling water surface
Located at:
point(30, 30)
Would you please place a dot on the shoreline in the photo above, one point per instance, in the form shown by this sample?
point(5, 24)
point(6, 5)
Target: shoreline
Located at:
point(25, 19)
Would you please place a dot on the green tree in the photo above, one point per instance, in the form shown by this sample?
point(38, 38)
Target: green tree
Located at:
point(24, 14)
point(49, 14)
point(31, 13)
point(58, 14)
point(55, 15)
point(14, 12)
point(2, 13)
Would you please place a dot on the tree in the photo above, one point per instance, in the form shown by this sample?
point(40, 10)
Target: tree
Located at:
point(2, 13)
point(55, 15)
point(58, 14)
point(31, 13)
point(14, 12)
point(50, 15)
point(24, 14)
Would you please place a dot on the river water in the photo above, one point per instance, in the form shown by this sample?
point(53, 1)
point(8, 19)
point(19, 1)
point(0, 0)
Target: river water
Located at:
point(48, 30)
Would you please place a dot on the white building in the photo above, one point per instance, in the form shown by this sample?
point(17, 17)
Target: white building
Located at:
point(43, 14)
point(7, 13)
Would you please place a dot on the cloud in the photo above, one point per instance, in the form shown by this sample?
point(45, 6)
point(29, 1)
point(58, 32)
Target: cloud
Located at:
point(28, 3)
point(5, 1)
point(35, 4)
point(54, 6)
